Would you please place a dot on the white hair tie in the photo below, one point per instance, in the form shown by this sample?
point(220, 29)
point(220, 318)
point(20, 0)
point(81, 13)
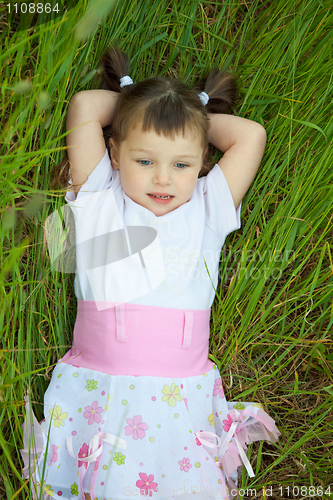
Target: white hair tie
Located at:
point(125, 80)
point(204, 98)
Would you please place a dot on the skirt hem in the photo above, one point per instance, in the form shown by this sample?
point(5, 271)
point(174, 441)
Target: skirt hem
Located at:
point(236, 427)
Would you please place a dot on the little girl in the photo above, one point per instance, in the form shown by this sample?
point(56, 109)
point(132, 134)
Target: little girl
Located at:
point(136, 408)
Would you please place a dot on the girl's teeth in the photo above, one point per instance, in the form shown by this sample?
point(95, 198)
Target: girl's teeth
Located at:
point(162, 197)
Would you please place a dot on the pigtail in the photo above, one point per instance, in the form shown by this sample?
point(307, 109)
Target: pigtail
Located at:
point(114, 65)
point(222, 90)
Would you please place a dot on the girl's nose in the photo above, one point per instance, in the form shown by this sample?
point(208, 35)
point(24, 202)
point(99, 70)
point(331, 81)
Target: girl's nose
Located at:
point(162, 175)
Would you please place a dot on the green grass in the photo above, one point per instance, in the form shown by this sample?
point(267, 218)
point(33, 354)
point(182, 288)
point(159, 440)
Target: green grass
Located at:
point(273, 314)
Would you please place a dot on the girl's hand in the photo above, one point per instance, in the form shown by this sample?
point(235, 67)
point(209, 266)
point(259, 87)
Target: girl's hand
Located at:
point(243, 143)
point(88, 112)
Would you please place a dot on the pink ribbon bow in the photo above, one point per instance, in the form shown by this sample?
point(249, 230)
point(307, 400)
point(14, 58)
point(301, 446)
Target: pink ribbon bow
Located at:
point(233, 430)
point(94, 455)
point(209, 435)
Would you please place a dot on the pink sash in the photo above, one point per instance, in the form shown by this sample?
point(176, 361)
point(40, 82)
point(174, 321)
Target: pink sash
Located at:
point(130, 339)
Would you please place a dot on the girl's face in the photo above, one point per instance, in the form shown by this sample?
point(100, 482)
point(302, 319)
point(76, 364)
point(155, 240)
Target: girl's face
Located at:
point(149, 163)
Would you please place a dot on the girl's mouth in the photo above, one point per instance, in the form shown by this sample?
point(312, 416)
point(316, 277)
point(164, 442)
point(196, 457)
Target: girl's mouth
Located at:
point(160, 199)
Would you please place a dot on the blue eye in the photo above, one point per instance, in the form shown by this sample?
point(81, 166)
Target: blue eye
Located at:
point(145, 163)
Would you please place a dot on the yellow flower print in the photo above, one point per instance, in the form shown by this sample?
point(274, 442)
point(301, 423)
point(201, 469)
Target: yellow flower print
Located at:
point(239, 406)
point(47, 489)
point(258, 405)
point(211, 419)
point(57, 415)
point(172, 394)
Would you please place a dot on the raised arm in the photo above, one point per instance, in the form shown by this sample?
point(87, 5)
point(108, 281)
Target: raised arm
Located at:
point(243, 143)
point(88, 112)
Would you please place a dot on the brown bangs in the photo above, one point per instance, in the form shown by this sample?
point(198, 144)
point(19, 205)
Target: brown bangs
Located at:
point(170, 115)
point(166, 106)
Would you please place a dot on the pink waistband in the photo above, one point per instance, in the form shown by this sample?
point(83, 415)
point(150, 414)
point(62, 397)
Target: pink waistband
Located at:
point(130, 339)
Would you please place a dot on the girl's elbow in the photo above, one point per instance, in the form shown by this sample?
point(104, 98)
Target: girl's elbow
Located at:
point(261, 135)
point(261, 131)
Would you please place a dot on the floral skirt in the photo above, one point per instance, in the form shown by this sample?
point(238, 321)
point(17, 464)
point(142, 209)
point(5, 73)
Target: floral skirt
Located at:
point(126, 437)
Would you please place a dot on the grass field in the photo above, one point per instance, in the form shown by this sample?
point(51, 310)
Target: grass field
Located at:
point(273, 314)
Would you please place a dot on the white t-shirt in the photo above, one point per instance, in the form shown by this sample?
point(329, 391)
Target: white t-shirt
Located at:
point(169, 271)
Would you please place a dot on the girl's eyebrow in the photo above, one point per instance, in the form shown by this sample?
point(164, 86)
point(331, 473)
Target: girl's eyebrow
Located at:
point(139, 150)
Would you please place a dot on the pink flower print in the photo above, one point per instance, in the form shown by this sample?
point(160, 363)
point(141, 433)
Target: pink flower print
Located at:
point(55, 455)
point(218, 388)
point(227, 423)
point(198, 441)
point(185, 401)
point(136, 427)
point(146, 484)
point(83, 453)
point(185, 464)
point(93, 412)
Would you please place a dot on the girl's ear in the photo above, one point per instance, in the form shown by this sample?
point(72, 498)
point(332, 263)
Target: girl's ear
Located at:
point(114, 155)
